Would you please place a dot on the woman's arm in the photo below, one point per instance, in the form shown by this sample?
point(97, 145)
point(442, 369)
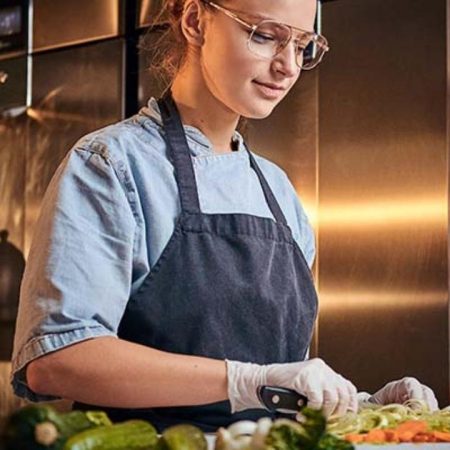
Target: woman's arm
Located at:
point(106, 371)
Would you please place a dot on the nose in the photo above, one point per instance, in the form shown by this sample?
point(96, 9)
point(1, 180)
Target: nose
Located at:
point(285, 61)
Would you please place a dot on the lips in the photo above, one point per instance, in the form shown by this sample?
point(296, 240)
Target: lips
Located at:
point(273, 86)
point(269, 91)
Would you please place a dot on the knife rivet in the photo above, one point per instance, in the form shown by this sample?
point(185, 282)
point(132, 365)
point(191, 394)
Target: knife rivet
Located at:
point(300, 402)
point(276, 399)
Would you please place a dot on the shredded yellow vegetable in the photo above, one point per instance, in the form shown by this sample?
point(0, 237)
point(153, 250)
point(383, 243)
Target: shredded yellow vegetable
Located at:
point(372, 416)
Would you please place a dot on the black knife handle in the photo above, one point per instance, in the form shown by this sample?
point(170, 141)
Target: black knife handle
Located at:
point(281, 400)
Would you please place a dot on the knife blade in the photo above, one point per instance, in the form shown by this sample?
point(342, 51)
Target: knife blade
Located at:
point(281, 400)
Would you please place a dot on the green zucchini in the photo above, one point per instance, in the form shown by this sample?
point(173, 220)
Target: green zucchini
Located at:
point(182, 437)
point(129, 435)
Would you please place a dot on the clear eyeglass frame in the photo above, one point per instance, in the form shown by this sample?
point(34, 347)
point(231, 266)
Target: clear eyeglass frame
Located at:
point(309, 56)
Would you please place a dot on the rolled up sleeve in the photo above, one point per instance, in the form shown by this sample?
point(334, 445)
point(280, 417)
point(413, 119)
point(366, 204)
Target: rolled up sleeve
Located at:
point(78, 275)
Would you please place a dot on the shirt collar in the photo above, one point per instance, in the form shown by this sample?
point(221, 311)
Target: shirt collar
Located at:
point(199, 144)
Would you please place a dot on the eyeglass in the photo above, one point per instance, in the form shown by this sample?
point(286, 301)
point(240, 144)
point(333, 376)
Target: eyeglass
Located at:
point(268, 38)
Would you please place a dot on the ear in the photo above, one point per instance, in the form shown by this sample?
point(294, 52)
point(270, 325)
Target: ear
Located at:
point(192, 22)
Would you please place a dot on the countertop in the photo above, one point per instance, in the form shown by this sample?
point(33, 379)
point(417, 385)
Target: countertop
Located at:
point(442, 446)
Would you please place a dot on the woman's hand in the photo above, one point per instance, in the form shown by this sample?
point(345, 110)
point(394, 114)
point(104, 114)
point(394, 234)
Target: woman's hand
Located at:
point(407, 388)
point(322, 386)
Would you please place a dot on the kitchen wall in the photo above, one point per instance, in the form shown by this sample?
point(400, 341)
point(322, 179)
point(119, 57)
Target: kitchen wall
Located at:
point(363, 140)
point(383, 192)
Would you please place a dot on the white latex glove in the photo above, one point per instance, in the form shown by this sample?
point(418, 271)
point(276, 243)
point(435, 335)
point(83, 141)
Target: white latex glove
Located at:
point(405, 389)
point(323, 387)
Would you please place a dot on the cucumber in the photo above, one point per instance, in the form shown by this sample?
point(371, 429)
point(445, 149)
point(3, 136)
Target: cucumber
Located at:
point(182, 437)
point(129, 435)
point(20, 429)
point(75, 421)
point(40, 427)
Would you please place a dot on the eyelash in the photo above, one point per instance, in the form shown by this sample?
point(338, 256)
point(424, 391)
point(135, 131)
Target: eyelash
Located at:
point(262, 36)
point(300, 49)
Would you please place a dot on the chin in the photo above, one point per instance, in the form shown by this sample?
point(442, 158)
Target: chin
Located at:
point(259, 111)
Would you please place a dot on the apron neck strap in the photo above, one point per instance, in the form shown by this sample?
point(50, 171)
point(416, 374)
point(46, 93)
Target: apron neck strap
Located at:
point(179, 154)
point(268, 194)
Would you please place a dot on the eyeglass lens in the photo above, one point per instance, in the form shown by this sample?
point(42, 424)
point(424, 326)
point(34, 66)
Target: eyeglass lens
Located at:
point(270, 38)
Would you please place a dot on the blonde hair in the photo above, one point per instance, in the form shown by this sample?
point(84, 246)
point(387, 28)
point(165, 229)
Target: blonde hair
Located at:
point(168, 52)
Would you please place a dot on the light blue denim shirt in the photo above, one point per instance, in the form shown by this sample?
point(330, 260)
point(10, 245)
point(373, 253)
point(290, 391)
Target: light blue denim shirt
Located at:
point(107, 215)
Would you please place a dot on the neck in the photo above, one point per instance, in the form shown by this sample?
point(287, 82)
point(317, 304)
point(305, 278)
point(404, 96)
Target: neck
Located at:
point(200, 109)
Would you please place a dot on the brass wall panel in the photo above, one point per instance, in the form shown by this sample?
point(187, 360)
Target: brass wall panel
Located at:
point(13, 87)
point(147, 11)
point(383, 192)
point(60, 23)
point(74, 92)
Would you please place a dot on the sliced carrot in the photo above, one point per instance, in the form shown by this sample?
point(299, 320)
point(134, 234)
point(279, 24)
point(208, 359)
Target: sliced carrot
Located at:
point(375, 436)
point(415, 426)
point(406, 436)
point(355, 438)
point(407, 430)
point(441, 436)
point(391, 435)
point(424, 437)
point(410, 431)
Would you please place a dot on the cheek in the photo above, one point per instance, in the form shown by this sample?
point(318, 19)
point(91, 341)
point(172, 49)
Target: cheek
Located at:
point(227, 63)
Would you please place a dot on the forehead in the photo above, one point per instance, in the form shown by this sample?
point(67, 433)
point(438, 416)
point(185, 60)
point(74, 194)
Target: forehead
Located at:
point(298, 13)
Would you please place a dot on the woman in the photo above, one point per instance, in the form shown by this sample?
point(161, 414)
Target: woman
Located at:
point(170, 278)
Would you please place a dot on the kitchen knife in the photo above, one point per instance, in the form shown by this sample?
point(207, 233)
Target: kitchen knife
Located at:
point(281, 400)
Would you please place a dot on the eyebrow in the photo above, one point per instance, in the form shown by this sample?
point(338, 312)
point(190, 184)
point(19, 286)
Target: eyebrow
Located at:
point(258, 16)
point(249, 15)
